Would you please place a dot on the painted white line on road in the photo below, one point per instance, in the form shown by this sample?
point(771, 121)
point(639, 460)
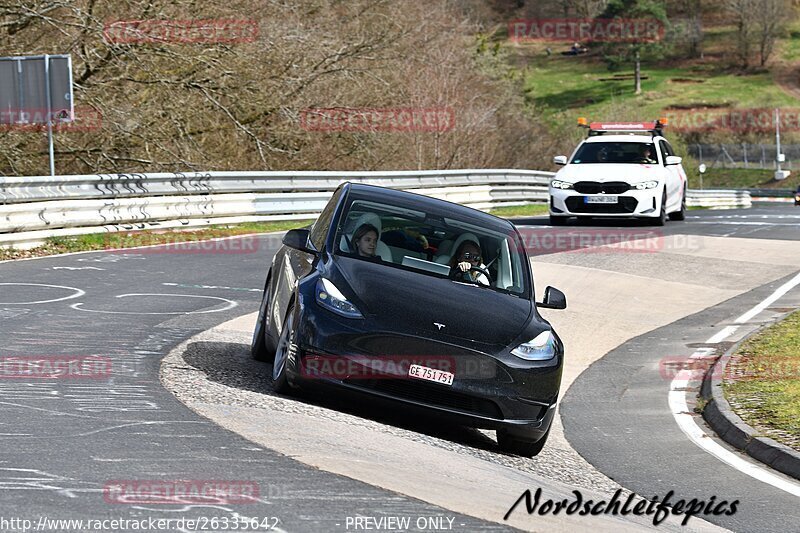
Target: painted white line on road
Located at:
point(190, 286)
point(686, 420)
point(780, 291)
point(722, 335)
point(77, 293)
point(230, 304)
point(77, 268)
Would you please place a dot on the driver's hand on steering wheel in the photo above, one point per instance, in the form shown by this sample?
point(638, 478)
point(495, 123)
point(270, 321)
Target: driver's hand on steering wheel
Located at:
point(464, 266)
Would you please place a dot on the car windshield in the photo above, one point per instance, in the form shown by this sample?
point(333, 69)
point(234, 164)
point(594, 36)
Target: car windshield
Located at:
point(615, 152)
point(425, 243)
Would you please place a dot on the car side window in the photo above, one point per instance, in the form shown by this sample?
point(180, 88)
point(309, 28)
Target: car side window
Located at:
point(320, 228)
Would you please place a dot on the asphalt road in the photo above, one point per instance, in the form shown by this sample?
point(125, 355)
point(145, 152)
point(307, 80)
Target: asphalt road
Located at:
point(762, 221)
point(617, 416)
point(67, 440)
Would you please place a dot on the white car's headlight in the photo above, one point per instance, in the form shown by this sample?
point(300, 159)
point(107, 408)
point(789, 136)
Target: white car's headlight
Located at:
point(558, 184)
point(331, 298)
point(646, 185)
point(541, 348)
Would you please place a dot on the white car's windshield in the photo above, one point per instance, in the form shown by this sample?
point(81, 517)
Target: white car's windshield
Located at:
point(432, 245)
point(616, 152)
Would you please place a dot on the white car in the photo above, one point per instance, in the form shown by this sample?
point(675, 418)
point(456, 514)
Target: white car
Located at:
point(620, 170)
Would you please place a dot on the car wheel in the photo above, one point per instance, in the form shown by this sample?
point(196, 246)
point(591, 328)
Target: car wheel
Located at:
point(662, 216)
point(511, 444)
point(680, 215)
point(279, 381)
point(262, 348)
point(557, 221)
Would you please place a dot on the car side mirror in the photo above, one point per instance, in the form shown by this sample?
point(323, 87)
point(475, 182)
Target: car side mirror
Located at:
point(553, 299)
point(560, 160)
point(673, 160)
point(298, 239)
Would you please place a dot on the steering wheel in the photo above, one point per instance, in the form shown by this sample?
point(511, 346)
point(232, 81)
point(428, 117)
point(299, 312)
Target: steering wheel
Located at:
point(457, 271)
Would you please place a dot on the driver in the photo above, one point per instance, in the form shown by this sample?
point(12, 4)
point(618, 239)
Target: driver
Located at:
point(646, 154)
point(467, 256)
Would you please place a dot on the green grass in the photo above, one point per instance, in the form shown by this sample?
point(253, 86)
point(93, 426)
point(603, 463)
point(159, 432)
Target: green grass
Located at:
point(528, 210)
point(740, 178)
point(790, 47)
point(105, 241)
point(768, 395)
point(568, 87)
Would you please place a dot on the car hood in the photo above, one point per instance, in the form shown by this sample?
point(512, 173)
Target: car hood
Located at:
point(603, 172)
point(412, 303)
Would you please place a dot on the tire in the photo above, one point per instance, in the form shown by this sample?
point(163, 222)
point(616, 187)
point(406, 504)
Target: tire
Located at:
point(279, 382)
point(662, 217)
point(510, 444)
point(680, 215)
point(557, 221)
point(262, 347)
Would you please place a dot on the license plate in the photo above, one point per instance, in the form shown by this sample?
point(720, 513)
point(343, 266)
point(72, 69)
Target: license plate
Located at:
point(600, 199)
point(430, 374)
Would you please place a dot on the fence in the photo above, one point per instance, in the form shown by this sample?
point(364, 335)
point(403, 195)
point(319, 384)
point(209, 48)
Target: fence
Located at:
point(743, 155)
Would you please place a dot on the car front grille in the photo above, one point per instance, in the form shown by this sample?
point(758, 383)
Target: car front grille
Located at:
point(595, 187)
point(436, 395)
point(625, 205)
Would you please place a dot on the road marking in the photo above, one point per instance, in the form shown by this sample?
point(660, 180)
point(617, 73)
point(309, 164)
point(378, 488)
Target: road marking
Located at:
point(230, 304)
point(686, 420)
point(189, 286)
point(78, 293)
point(77, 268)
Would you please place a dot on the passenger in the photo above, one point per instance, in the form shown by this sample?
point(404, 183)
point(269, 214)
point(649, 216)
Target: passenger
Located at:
point(467, 256)
point(365, 240)
point(647, 155)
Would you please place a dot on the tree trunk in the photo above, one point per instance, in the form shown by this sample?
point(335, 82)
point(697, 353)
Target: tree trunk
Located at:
point(637, 75)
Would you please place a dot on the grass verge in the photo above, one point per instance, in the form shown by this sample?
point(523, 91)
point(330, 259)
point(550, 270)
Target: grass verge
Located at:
point(528, 210)
point(105, 241)
point(762, 383)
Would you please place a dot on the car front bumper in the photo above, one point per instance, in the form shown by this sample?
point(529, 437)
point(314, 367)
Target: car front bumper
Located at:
point(633, 203)
point(488, 391)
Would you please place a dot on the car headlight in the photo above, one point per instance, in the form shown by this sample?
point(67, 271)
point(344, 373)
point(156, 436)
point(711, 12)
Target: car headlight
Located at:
point(558, 184)
point(541, 348)
point(331, 298)
point(646, 185)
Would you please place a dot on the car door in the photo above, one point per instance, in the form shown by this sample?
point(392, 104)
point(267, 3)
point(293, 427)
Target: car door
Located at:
point(674, 176)
point(293, 265)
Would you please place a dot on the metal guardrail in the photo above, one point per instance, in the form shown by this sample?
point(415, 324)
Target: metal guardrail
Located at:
point(718, 198)
point(35, 208)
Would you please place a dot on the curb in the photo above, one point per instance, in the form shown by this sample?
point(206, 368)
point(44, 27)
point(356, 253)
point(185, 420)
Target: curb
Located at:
point(733, 430)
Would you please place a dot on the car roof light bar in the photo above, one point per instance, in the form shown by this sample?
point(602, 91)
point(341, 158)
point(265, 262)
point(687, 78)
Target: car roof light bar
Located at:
point(599, 128)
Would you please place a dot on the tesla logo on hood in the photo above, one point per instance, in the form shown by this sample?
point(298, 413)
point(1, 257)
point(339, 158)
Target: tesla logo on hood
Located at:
point(440, 326)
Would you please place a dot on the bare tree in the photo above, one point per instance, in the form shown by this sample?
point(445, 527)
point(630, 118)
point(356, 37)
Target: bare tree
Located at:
point(771, 19)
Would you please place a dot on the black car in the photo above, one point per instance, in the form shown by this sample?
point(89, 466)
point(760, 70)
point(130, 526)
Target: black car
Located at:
point(797, 196)
point(404, 321)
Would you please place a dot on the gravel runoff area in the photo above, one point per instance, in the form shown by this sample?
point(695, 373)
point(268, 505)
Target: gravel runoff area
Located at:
point(215, 367)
